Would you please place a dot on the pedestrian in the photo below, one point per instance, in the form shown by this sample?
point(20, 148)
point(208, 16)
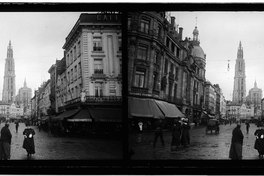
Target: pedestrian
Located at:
point(5, 141)
point(247, 126)
point(259, 143)
point(159, 133)
point(17, 125)
point(28, 142)
point(230, 122)
point(185, 139)
point(176, 135)
point(235, 152)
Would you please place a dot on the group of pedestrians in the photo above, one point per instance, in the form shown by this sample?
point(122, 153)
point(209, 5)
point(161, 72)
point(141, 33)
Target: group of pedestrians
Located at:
point(180, 133)
point(6, 137)
point(235, 152)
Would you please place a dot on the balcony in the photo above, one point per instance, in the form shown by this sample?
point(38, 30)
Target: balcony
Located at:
point(98, 74)
point(139, 90)
point(103, 100)
point(97, 48)
point(95, 100)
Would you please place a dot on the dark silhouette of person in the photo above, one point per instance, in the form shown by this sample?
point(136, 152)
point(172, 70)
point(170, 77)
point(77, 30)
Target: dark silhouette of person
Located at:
point(28, 143)
point(235, 152)
point(159, 133)
point(5, 141)
point(259, 143)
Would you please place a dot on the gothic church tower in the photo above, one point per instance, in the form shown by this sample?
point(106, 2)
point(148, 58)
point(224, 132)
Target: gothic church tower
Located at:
point(239, 91)
point(9, 89)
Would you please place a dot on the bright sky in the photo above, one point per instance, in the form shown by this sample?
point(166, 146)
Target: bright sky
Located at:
point(219, 34)
point(37, 39)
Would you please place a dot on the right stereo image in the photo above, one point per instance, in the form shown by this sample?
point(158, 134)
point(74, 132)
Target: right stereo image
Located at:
point(195, 85)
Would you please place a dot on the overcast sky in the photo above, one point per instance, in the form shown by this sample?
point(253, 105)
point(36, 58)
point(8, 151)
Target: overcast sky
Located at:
point(37, 40)
point(219, 34)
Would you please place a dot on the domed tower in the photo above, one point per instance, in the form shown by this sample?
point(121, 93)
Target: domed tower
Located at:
point(197, 51)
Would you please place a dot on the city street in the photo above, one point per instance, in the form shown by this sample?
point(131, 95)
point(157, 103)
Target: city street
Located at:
point(203, 146)
point(64, 148)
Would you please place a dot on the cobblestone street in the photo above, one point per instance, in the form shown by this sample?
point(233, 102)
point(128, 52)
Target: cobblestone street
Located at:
point(64, 148)
point(203, 146)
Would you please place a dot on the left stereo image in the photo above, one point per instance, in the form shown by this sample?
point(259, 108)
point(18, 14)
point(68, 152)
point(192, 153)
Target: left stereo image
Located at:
point(61, 86)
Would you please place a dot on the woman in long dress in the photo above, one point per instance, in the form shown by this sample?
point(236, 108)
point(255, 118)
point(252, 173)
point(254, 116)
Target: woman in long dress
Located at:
point(28, 143)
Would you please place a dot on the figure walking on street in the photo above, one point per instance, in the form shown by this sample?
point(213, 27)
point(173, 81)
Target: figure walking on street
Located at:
point(158, 133)
point(28, 143)
point(259, 143)
point(235, 152)
point(17, 125)
point(185, 139)
point(5, 142)
point(247, 126)
point(176, 135)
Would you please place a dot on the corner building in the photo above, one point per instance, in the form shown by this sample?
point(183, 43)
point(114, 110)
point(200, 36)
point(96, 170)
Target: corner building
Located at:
point(93, 56)
point(166, 75)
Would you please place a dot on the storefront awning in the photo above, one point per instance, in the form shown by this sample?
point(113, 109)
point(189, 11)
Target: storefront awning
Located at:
point(82, 116)
point(66, 114)
point(106, 114)
point(141, 107)
point(169, 110)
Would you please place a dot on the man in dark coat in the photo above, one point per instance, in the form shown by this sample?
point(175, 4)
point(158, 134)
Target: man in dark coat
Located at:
point(247, 126)
point(158, 133)
point(176, 135)
point(17, 125)
point(259, 143)
point(28, 143)
point(185, 139)
point(235, 152)
point(5, 142)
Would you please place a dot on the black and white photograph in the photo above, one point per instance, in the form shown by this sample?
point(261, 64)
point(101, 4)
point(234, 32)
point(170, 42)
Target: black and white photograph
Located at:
point(61, 86)
point(195, 81)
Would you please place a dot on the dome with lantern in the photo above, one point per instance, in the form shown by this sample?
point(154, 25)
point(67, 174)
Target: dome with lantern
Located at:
point(197, 52)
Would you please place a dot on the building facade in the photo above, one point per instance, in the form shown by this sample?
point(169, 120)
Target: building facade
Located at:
point(9, 86)
point(24, 97)
point(162, 66)
point(254, 98)
point(239, 90)
point(210, 98)
point(44, 103)
point(94, 57)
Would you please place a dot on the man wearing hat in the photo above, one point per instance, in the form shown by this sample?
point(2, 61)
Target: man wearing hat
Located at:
point(235, 152)
point(5, 142)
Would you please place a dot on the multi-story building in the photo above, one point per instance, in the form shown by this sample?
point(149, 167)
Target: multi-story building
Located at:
point(4, 109)
point(222, 106)
point(94, 57)
point(210, 98)
point(161, 66)
point(44, 100)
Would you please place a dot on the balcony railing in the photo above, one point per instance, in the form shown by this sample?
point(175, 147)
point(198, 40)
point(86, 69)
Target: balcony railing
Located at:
point(139, 90)
point(98, 71)
point(96, 100)
point(97, 48)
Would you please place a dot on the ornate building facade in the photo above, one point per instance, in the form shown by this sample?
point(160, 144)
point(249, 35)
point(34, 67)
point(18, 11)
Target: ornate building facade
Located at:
point(239, 91)
point(24, 97)
point(9, 86)
point(163, 67)
point(254, 98)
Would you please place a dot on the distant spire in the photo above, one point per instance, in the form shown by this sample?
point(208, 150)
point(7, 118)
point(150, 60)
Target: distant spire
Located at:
point(255, 84)
point(25, 83)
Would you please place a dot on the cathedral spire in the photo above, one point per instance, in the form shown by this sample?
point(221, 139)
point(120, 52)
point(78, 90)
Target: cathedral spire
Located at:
point(240, 51)
point(9, 50)
point(255, 84)
point(25, 83)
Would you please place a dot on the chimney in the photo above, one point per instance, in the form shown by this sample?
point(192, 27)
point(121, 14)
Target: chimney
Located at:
point(173, 22)
point(180, 33)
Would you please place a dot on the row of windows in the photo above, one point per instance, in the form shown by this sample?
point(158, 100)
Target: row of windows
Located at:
point(172, 47)
point(74, 73)
point(73, 54)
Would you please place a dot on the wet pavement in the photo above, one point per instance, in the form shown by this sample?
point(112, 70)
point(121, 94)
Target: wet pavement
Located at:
point(203, 146)
point(48, 147)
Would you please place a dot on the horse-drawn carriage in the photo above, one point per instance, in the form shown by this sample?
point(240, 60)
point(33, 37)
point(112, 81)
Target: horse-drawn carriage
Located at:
point(212, 125)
